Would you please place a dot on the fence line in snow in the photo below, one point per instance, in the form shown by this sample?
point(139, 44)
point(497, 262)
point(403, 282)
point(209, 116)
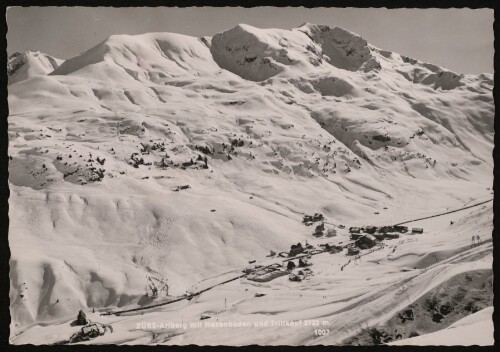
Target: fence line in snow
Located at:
point(445, 213)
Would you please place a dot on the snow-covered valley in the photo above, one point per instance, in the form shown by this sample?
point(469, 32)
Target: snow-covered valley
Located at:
point(172, 161)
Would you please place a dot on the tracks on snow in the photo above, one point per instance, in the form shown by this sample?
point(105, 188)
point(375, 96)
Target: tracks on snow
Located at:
point(446, 213)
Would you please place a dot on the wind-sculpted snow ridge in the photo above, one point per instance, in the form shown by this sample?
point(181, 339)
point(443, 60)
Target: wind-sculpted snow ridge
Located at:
point(341, 48)
point(21, 66)
point(257, 54)
point(179, 158)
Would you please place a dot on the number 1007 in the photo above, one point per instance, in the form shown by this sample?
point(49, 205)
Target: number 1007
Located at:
point(321, 332)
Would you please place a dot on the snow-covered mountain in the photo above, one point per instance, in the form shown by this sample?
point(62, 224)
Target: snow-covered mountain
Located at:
point(21, 66)
point(264, 125)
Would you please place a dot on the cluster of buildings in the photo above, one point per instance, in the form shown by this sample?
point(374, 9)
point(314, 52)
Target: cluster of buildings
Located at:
point(363, 237)
point(270, 272)
point(367, 237)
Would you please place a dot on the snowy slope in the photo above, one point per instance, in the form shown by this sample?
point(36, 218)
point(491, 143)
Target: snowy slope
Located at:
point(290, 122)
point(21, 66)
point(364, 295)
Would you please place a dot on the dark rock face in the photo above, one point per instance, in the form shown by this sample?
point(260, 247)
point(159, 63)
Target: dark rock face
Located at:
point(462, 295)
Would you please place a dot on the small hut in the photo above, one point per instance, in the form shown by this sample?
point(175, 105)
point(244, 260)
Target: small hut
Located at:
point(331, 233)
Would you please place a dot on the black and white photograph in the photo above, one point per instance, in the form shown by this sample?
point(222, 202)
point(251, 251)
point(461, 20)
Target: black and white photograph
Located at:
point(250, 176)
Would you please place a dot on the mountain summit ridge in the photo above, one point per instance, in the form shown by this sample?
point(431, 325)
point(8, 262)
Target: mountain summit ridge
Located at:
point(30, 63)
point(270, 53)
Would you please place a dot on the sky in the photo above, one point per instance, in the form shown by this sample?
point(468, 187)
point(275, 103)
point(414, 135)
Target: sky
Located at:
point(458, 39)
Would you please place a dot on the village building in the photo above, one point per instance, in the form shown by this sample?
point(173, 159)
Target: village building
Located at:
point(355, 236)
point(352, 250)
point(303, 263)
point(400, 228)
point(81, 319)
point(88, 332)
point(325, 246)
point(385, 229)
point(354, 230)
point(91, 330)
point(336, 249)
point(416, 230)
point(267, 276)
point(371, 229)
point(271, 253)
point(319, 231)
point(331, 233)
point(379, 236)
point(365, 242)
point(330, 247)
point(295, 249)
